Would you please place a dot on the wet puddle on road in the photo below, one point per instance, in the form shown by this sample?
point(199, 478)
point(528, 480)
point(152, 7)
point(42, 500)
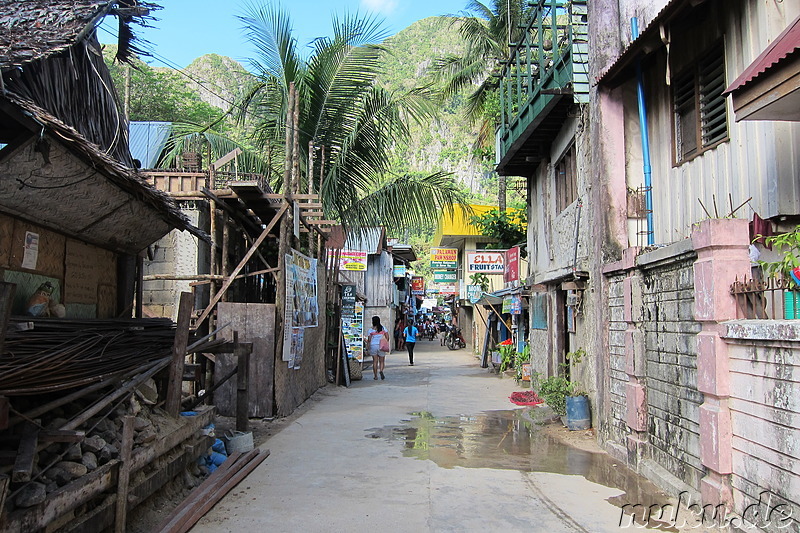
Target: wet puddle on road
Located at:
point(507, 440)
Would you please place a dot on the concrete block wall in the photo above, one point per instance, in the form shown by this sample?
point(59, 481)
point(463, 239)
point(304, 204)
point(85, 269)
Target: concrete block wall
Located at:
point(764, 360)
point(616, 429)
point(673, 401)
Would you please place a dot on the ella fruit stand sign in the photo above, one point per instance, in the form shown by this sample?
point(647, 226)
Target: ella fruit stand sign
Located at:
point(444, 258)
point(486, 263)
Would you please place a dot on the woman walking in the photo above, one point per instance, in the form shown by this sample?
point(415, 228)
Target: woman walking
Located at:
point(411, 333)
point(376, 335)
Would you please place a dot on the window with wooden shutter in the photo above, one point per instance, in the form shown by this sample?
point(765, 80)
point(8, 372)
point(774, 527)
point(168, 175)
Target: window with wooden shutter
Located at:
point(700, 111)
point(566, 179)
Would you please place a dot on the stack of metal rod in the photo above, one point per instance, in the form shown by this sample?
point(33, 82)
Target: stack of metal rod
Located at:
point(56, 354)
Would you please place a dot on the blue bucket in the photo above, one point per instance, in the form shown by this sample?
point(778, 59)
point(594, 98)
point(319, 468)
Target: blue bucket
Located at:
point(578, 416)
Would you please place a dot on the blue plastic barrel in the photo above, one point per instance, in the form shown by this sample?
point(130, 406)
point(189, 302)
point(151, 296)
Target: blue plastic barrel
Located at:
point(578, 416)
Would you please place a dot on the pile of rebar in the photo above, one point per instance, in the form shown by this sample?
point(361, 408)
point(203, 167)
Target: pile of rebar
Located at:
point(59, 353)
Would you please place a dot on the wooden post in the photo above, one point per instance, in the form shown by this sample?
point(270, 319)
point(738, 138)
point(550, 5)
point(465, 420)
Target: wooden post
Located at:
point(173, 403)
point(4, 481)
point(7, 291)
point(242, 263)
point(4, 405)
point(242, 377)
point(139, 288)
point(226, 255)
point(213, 246)
point(310, 174)
point(124, 476)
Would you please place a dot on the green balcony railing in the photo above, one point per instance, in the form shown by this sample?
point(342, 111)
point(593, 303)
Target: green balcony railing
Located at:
point(550, 60)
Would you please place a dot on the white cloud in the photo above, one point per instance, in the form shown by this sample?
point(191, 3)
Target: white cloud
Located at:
point(383, 7)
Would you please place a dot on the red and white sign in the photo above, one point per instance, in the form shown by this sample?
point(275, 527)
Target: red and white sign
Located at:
point(486, 263)
point(447, 288)
point(512, 265)
point(353, 260)
point(418, 286)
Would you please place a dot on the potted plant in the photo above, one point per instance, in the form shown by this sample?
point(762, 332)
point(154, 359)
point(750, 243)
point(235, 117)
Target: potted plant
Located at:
point(507, 355)
point(787, 268)
point(566, 398)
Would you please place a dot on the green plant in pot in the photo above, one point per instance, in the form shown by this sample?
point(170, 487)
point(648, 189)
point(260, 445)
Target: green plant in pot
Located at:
point(787, 268)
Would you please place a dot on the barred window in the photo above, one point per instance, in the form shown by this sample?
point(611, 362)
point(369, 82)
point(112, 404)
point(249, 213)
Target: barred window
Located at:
point(701, 115)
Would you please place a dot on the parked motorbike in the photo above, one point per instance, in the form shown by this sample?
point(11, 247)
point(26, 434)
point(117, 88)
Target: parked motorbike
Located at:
point(455, 339)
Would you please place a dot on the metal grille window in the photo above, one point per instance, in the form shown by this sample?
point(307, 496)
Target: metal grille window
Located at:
point(566, 179)
point(701, 114)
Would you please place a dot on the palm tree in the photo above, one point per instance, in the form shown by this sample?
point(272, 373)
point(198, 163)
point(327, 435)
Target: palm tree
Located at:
point(343, 110)
point(487, 29)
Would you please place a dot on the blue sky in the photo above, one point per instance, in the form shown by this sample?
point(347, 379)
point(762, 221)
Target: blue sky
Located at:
point(188, 29)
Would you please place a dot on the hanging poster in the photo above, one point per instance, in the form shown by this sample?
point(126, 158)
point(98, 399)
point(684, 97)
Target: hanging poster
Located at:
point(418, 286)
point(399, 271)
point(353, 260)
point(486, 263)
point(474, 293)
point(301, 309)
point(30, 253)
point(444, 258)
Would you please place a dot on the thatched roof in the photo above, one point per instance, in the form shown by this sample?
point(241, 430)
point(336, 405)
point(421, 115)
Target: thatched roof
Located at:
point(35, 29)
point(55, 85)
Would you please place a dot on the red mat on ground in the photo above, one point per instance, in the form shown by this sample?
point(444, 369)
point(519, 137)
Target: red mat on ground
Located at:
point(527, 397)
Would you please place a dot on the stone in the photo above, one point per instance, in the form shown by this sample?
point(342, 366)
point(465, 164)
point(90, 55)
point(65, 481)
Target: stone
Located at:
point(109, 436)
point(31, 494)
point(75, 470)
point(52, 486)
point(61, 477)
point(89, 460)
point(74, 453)
point(107, 453)
point(140, 423)
point(94, 444)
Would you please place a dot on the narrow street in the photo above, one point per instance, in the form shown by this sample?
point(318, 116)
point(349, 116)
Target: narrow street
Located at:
point(434, 447)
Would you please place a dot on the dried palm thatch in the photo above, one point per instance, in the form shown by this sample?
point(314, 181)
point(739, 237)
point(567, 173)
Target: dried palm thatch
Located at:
point(49, 54)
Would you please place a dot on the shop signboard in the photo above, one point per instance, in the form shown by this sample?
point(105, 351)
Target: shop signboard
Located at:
point(489, 263)
point(399, 271)
point(418, 286)
point(448, 288)
point(474, 293)
point(353, 260)
point(444, 258)
point(512, 304)
point(512, 265)
point(445, 276)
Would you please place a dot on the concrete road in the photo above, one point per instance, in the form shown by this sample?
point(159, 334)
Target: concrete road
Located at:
point(435, 447)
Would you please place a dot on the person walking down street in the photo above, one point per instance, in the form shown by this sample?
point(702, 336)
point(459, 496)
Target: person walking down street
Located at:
point(411, 333)
point(378, 335)
point(399, 326)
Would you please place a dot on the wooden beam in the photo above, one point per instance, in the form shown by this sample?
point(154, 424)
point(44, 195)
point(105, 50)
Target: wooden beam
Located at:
point(7, 291)
point(241, 265)
point(124, 475)
point(174, 387)
point(4, 482)
point(292, 197)
point(310, 206)
point(323, 222)
point(227, 158)
point(23, 466)
point(56, 435)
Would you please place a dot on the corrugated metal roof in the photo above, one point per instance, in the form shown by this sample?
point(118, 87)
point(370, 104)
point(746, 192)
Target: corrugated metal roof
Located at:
point(365, 240)
point(787, 43)
point(147, 141)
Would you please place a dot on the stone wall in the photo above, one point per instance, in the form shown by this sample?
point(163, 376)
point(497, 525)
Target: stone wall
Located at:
point(673, 400)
